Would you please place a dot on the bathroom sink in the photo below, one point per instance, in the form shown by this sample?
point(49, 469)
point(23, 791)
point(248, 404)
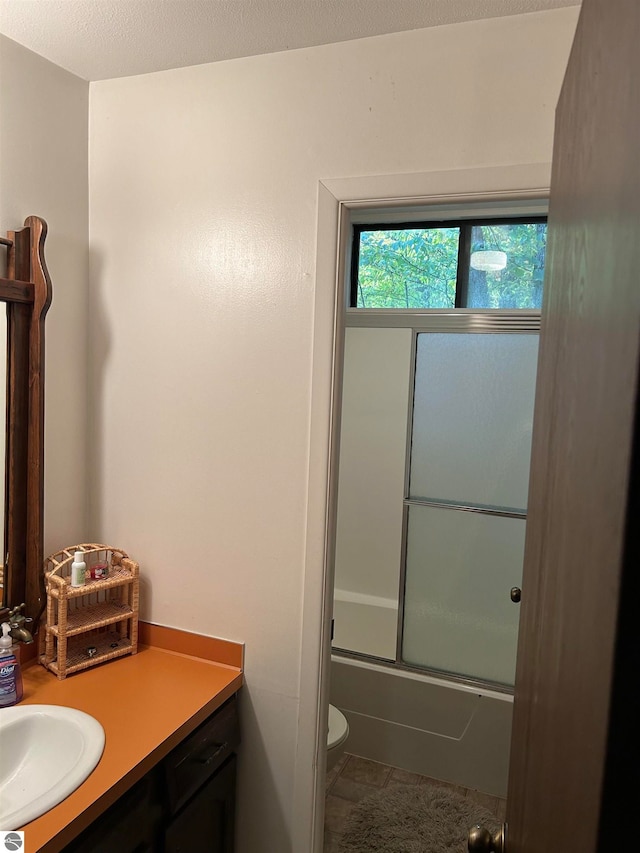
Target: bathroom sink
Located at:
point(46, 752)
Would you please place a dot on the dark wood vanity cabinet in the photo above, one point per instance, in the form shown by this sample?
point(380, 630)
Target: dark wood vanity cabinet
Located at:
point(206, 823)
point(185, 804)
point(199, 778)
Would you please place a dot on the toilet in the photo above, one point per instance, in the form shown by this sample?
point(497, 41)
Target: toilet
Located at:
point(337, 736)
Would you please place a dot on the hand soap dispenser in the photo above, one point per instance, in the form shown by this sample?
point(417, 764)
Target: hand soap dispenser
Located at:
point(10, 673)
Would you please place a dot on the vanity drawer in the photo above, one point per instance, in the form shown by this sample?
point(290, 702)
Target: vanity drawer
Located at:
point(198, 757)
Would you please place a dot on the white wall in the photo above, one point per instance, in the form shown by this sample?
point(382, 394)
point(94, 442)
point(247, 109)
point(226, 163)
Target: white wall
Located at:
point(203, 188)
point(44, 171)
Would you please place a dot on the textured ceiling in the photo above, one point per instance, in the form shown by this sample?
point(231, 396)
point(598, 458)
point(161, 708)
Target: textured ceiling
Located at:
point(99, 39)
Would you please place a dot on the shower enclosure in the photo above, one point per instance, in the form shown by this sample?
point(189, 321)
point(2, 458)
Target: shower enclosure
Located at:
point(432, 495)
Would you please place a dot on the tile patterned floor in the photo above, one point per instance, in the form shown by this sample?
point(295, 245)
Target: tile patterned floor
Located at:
point(354, 778)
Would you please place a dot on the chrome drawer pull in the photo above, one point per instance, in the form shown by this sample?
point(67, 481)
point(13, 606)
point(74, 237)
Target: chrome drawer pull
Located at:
point(213, 755)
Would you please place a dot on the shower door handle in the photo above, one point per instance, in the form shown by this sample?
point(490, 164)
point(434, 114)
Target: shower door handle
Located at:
point(482, 841)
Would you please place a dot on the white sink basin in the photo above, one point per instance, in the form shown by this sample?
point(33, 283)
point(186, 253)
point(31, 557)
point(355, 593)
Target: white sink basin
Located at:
point(46, 752)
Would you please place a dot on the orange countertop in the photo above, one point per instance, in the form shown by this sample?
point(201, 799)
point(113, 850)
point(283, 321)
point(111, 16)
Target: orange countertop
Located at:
point(147, 703)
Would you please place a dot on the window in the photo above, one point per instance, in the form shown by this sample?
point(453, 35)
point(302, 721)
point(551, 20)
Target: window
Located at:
point(471, 263)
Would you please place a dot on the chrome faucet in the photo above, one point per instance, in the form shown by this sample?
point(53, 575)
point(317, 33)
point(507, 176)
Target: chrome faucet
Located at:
point(18, 624)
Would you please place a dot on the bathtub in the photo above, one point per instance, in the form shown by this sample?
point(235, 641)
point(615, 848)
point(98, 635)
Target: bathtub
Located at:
point(439, 728)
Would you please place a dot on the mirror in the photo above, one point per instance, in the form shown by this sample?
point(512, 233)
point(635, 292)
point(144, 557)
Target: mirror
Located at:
point(26, 290)
point(3, 408)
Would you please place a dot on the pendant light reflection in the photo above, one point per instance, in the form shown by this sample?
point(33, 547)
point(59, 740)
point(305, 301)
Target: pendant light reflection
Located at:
point(488, 261)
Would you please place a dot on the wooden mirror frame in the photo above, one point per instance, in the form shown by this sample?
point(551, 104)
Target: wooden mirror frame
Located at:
point(27, 292)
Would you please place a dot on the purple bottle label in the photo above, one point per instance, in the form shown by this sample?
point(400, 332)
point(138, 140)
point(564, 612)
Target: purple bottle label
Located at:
point(8, 692)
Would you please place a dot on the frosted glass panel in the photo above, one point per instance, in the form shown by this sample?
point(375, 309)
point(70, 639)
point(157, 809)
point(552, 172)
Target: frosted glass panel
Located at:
point(473, 412)
point(458, 615)
point(371, 484)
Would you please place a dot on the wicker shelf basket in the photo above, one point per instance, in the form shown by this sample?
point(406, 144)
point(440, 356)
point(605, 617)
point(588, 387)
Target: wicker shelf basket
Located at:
point(94, 623)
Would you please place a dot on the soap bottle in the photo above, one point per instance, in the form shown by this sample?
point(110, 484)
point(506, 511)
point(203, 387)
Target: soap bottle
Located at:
point(78, 569)
point(10, 673)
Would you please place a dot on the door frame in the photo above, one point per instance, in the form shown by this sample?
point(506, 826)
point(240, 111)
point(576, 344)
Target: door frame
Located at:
point(336, 199)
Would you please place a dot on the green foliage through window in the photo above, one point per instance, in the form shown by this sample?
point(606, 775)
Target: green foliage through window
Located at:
point(466, 264)
point(408, 268)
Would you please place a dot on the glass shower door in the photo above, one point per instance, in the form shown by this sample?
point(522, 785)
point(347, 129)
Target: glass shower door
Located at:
point(466, 502)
